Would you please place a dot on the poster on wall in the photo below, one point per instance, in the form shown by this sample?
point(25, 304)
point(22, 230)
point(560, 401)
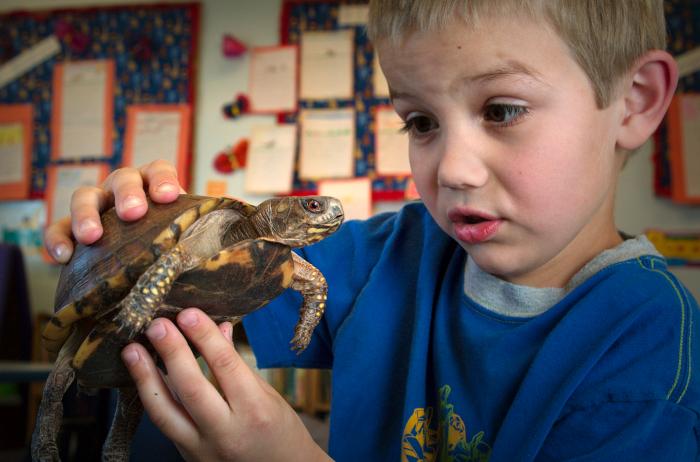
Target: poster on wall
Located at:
point(391, 142)
point(270, 164)
point(158, 131)
point(684, 146)
point(327, 64)
point(82, 114)
point(327, 143)
point(16, 129)
point(272, 86)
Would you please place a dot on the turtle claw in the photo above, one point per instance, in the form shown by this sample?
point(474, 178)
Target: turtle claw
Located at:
point(132, 318)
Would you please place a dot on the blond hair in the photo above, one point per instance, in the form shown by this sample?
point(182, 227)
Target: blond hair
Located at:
point(605, 37)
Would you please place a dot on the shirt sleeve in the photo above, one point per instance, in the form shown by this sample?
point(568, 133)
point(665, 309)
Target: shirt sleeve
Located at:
point(616, 431)
point(345, 259)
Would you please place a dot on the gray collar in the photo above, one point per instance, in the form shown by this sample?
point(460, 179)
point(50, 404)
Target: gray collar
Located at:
point(515, 300)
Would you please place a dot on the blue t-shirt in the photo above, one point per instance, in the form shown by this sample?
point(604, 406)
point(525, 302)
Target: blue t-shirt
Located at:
point(421, 371)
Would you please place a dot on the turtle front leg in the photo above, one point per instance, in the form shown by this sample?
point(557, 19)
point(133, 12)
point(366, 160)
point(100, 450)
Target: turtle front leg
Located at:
point(313, 287)
point(127, 416)
point(137, 309)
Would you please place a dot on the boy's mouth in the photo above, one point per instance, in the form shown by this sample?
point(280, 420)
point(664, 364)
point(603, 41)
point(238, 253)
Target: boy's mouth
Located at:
point(473, 227)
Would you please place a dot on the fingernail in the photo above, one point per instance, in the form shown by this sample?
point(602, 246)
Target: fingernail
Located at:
point(86, 226)
point(132, 201)
point(130, 356)
point(156, 331)
point(60, 252)
point(188, 319)
point(166, 188)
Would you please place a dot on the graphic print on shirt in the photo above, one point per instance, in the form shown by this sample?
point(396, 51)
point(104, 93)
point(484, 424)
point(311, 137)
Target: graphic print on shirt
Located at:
point(427, 439)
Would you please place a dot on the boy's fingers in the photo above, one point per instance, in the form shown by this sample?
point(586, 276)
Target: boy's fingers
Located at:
point(57, 240)
point(166, 413)
point(162, 181)
point(202, 401)
point(233, 375)
point(129, 196)
point(85, 206)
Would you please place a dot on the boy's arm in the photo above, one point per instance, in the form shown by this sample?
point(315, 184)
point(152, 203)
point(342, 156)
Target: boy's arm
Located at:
point(616, 431)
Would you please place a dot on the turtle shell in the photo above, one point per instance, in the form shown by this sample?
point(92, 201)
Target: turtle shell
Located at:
point(100, 275)
point(237, 281)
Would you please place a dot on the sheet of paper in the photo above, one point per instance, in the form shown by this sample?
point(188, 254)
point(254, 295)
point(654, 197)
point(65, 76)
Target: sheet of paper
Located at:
point(270, 164)
point(327, 64)
point(690, 108)
point(82, 115)
point(352, 15)
point(688, 62)
point(327, 143)
point(26, 60)
point(391, 144)
point(16, 137)
point(354, 194)
point(158, 131)
point(273, 79)
point(64, 179)
point(381, 87)
point(11, 152)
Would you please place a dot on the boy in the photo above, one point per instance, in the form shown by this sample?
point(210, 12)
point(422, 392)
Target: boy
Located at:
point(503, 318)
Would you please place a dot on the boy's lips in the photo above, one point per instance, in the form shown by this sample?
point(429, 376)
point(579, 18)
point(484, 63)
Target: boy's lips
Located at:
point(473, 227)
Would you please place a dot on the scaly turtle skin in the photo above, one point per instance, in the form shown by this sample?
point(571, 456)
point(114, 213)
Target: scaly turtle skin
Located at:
point(225, 256)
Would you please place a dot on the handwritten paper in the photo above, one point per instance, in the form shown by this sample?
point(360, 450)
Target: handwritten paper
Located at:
point(273, 79)
point(158, 131)
point(64, 179)
point(353, 15)
point(82, 113)
point(690, 107)
point(327, 143)
point(327, 64)
point(392, 143)
point(354, 194)
point(11, 153)
point(381, 87)
point(16, 136)
point(270, 165)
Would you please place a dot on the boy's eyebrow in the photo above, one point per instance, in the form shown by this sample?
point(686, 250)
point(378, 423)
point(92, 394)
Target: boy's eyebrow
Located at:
point(509, 69)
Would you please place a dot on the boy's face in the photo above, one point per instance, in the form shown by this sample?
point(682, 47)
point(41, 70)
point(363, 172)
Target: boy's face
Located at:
point(508, 150)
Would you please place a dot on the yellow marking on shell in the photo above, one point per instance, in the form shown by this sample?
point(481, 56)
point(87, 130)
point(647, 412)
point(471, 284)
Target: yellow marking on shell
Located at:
point(118, 280)
point(54, 336)
point(166, 238)
point(225, 257)
point(87, 348)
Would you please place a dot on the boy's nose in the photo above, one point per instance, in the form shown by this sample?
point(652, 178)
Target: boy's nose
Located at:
point(461, 168)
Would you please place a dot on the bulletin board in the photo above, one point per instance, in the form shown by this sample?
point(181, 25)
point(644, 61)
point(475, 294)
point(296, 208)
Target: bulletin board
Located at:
point(298, 16)
point(153, 48)
point(683, 28)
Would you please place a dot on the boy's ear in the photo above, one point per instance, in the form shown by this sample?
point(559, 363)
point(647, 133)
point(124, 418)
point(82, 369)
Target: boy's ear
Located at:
point(646, 97)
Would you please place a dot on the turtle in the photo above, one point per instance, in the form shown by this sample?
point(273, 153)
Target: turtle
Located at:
point(223, 255)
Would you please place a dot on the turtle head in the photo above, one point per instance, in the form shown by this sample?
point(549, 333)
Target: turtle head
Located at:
point(300, 221)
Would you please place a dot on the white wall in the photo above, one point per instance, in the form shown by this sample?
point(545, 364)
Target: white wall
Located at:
point(256, 23)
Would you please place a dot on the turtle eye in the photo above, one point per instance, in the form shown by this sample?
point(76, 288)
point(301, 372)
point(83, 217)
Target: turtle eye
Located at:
point(313, 206)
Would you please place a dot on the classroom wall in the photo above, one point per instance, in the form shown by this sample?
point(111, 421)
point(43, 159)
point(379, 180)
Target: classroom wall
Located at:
point(256, 23)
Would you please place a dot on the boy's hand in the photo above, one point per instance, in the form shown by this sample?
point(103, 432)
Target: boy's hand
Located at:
point(249, 420)
point(123, 187)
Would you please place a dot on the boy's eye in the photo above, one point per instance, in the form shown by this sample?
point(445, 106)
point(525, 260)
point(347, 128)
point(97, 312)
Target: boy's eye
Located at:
point(419, 125)
point(504, 114)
